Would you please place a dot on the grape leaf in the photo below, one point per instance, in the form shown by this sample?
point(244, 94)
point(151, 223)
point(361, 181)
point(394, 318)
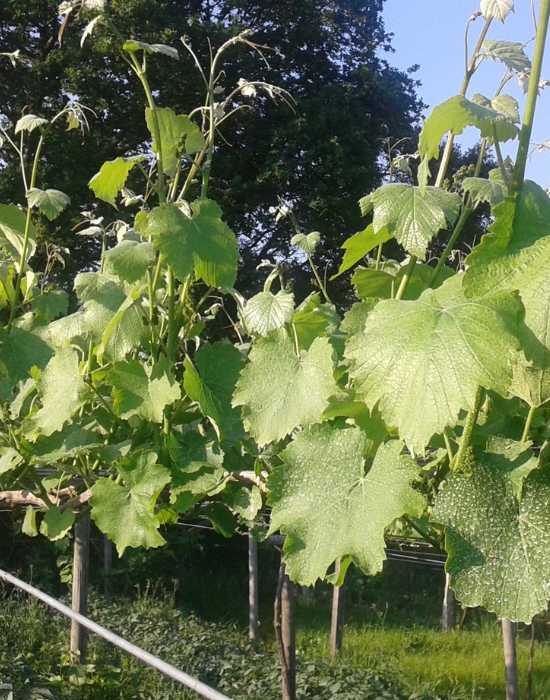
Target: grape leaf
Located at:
point(210, 381)
point(498, 540)
point(327, 507)
point(129, 260)
point(511, 53)
point(422, 361)
point(50, 202)
point(29, 527)
point(412, 214)
point(455, 115)
point(279, 390)
point(64, 445)
point(12, 233)
point(56, 523)
point(313, 319)
point(125, 511)
point(203, 243)
point(266, 311)
point(62, 392)
point(29, 122)
point(515, 255)
point(111, 178)
point(307, 243)
point(20, 350)
point(9, 459)
point(370, 283)
point(133, 45)
point(359, 245)
point(496, 9)
point(141, 390)
point(482, 190)
point(50, 305)
point(177, 132)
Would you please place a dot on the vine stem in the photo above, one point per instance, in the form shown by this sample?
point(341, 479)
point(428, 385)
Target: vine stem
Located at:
point(532, 95)
point(26, 235)
point(406, 277)
point(469, 426)
point(462, 220)
point(528, 423)
point(322, 286)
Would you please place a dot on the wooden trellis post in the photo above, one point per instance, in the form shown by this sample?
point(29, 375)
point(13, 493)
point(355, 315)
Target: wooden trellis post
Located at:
point(79, 599)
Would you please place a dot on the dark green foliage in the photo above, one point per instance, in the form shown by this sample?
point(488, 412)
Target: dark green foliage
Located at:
point(323, 155)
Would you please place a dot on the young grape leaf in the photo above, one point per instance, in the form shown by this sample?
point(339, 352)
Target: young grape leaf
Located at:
point(62, 392)
point(210, 381)
point(455, 115)
point(481, 190)
point(515, 255)
point(498, 536)
point(129, 260)
point(56, 523)
point(507, 105)
point(511, 53)
point(140, 390)
point(307, 243)
point(203, 242)
point(133, 45)
point(12, 233)
point(327, 507)
point(29, 527)
point(125, 511)
point(496, 9)
point(279, 390)
point(422, 361)
point(50, 202)
point(266, 312)
point(9, 459)
point(111, 178)
point(244, 502)
point(370, 283)
point(313, 319)
point(359, 245)
point(177, 132)
point(29, 122)
point(412, 214)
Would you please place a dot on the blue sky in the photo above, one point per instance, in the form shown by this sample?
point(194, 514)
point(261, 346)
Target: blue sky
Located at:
point(431, 33)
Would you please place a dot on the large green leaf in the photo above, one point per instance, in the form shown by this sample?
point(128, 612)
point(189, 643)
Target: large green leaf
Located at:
point(62, 392)
point(177, 133)
point(140, 390)
point(125, 511)
point(50, 305)
point(370, 283)
point(20, 351)
point(422, 361)
point(312, 319)
point(266, 312)
point(111, 178)
point(359, 245)
point(210, 381)
point(455, 115)
point(412, 214)
point(106, 310)
point(49, 202)
point(203, 243)
point(327, 507)
point(279, 390)
point(57, 523)
point(129, 260)
point(498, 536)
point(482, 190)
point(12, 233)
point(515, 255)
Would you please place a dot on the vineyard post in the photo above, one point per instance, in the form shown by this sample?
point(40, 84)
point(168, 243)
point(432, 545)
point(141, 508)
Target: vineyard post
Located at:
point(285, 632)
point(448, 613)
point(79, 599)
point(337, 617)
point(107, 565)
point(253, 612)
point(510, 659)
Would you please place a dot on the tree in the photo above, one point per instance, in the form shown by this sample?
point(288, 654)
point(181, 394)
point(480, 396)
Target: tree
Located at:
point(322, 155)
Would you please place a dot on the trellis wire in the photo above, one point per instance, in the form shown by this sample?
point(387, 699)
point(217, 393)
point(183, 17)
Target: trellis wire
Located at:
point(145, 657)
